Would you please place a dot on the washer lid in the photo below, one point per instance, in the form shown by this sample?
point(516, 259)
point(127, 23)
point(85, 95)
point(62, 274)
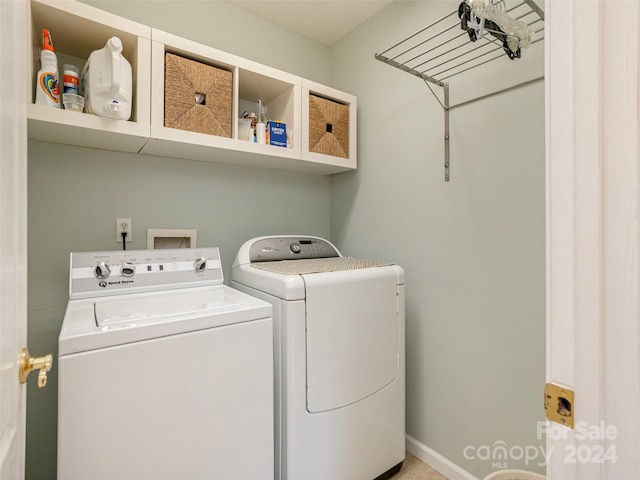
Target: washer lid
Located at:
point(94, 323)
point(122, 312)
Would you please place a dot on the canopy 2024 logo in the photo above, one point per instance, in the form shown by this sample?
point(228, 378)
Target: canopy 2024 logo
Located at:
point(591, 444)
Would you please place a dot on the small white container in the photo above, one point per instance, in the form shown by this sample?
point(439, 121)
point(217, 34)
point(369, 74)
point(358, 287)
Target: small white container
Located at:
point(73, 102)
point(261, 133)
point(244, 128)
point(71, 79)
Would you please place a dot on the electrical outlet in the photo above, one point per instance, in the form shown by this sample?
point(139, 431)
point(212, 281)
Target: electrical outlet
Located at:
point(123, 225)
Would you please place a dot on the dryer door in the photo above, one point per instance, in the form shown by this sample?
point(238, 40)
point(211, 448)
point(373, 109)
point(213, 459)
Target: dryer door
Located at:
point(352, 335)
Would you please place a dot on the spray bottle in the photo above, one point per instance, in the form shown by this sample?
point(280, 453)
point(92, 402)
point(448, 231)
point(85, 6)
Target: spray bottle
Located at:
point(47, 90)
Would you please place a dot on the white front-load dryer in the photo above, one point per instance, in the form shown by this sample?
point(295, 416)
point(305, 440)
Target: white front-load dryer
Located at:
point(339, 357)
point(164, 372)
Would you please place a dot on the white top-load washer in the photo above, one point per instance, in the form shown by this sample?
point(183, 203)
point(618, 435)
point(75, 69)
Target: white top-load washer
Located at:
point(339, 356)
point(164, 372)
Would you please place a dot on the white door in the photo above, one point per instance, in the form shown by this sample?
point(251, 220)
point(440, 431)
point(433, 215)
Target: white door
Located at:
point(593, 235)
point(13, 233)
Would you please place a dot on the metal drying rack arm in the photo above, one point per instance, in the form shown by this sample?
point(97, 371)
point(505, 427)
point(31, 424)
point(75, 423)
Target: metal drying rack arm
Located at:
point(437, 54)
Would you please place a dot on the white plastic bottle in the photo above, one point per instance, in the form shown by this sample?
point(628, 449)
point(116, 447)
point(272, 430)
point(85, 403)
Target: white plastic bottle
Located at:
point(47, 85)
point(107, 82)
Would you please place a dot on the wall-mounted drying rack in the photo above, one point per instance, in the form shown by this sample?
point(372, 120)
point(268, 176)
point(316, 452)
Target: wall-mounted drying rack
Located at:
point(442, 50)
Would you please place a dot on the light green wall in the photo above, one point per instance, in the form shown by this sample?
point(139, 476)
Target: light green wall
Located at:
point(473, 248)
point(75, 194)
point(231, 29)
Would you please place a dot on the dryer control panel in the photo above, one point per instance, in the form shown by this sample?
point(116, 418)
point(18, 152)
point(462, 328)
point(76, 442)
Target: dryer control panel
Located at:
point(94, 274)
point(269, 249)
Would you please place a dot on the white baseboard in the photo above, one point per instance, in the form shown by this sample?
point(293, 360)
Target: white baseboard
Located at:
point(436, 461)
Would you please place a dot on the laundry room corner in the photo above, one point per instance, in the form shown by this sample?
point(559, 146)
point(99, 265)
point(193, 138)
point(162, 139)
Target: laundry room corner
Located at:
point(473, 248)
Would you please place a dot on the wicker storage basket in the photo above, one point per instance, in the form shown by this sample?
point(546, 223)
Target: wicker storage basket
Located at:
point(197, 97)
point(328, 127)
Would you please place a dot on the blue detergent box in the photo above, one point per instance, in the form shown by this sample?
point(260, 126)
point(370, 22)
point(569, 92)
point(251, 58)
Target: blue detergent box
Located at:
point(277, 134)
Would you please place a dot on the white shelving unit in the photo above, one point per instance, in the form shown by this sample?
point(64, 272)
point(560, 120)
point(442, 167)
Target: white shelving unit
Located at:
point(251, 81)
point(78, 29)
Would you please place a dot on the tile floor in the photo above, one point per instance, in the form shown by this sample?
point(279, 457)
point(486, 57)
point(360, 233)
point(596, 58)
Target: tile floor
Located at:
point(414, 469)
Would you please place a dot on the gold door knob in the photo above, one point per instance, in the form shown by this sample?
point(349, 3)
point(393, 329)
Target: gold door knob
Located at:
point(29, 363)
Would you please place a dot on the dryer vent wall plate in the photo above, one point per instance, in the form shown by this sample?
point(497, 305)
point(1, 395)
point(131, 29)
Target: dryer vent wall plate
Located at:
point(163, 238)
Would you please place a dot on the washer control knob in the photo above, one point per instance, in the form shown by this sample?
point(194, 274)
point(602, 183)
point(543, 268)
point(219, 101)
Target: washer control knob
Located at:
point(200, 264)
point(295, 247)
point(102, 270)
point(128, 269)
